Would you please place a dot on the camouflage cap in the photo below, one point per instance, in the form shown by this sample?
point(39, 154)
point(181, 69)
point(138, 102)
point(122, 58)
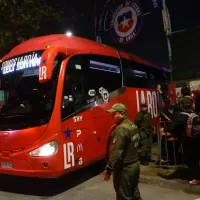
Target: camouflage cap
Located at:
point(119, 107)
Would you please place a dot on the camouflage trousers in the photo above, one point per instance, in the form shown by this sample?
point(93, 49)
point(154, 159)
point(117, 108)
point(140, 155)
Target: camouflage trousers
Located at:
point(126, 182)
point(145, 144)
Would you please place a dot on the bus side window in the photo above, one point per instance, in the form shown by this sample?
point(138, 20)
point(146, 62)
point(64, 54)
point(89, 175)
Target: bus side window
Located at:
point(142, 76)
point(101, 71)
point(73, 91)
point(86, 73)
point(135, 74)
point(156, 77)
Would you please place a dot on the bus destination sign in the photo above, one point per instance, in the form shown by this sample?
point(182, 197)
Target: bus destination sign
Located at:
point(22, 62)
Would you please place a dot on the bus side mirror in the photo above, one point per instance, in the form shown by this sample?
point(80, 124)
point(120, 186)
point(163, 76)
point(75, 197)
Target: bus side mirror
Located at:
point(47, 62)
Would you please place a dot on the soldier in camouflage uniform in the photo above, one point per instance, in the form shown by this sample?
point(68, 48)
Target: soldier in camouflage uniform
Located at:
point(143, 121)
point(123, 155)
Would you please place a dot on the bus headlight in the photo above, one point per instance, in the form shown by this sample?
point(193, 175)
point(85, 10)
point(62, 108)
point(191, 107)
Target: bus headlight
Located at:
point(45, 150)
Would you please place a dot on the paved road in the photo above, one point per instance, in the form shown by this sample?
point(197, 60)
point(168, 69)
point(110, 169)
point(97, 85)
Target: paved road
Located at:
point(86, 184)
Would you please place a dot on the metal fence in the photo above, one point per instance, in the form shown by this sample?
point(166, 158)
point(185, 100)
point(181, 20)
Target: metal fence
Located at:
point(167, 137)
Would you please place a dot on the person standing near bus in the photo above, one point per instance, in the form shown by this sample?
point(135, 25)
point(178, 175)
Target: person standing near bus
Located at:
point(124, 154)
point(143, 120)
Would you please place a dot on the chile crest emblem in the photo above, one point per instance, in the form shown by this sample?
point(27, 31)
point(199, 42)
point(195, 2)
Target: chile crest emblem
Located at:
point(126, 22)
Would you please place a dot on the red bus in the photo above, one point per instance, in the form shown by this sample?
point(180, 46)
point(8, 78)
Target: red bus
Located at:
point(54, 93)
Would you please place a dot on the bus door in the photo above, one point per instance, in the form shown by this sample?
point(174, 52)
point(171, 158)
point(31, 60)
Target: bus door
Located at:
point(86, 76)
point(77, 120)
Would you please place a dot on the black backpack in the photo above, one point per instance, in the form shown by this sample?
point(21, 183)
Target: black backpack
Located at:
point(193, 125)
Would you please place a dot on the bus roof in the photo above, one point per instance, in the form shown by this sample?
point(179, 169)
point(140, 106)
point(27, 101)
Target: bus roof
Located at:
point(75, 45)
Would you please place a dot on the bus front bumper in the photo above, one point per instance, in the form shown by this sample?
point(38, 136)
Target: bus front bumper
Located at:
point(19, 167)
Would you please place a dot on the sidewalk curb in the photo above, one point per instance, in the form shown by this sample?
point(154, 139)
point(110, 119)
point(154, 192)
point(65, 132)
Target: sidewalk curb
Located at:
point(170, 184)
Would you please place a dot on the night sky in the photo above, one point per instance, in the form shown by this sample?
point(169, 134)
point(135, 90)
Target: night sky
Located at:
point(150, 43)
point(184, 13)
point(185, 45)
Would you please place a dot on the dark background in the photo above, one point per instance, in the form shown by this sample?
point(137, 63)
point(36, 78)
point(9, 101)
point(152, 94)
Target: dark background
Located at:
point(150, 44)
point(185, 44)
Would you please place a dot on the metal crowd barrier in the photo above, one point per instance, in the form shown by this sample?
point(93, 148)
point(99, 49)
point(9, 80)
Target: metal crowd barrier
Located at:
point(159, 135)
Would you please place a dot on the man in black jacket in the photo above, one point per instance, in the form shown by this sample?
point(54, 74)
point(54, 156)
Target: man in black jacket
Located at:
point(186, 103)
point(179, 120)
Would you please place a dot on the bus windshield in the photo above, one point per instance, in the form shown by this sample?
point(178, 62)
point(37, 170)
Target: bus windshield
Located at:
point(24, 101)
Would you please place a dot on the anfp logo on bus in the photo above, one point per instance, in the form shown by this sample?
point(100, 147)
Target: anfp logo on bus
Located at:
point(126, 22)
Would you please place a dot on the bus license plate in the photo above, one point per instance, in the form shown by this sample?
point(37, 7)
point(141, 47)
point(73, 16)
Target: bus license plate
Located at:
point(6, 165)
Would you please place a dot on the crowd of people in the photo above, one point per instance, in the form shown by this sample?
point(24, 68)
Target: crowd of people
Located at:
point(180, 122)
point(184, 128)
